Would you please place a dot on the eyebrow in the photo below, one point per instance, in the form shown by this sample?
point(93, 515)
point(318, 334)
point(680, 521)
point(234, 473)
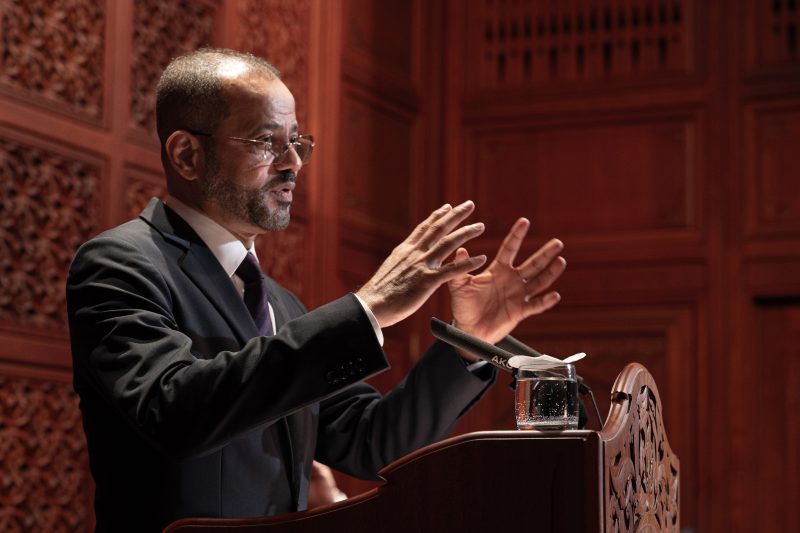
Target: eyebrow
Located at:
point(271, 126)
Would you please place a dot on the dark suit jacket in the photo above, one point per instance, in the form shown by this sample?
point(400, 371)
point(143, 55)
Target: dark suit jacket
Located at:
point(188, 412)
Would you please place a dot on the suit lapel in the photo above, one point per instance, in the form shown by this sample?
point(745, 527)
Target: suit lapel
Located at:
point(200, 265)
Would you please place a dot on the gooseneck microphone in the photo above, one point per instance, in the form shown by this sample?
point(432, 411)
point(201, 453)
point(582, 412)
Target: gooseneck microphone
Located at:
point(455, 337)
point(510, 344)
point(499, 354)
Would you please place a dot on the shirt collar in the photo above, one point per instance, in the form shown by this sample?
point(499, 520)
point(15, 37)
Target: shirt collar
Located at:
point(228, 250)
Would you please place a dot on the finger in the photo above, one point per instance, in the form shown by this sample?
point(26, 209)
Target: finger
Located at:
point(461, 267)
point(423, 226)
point(444, 225)
point(511, 244)
point(448, 244)
point(461, 255)
point(540, 304)
point(542, 280)
point(541, 258)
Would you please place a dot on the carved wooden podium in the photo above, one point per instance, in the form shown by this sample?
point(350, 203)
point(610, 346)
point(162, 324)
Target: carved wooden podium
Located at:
point(623, 478)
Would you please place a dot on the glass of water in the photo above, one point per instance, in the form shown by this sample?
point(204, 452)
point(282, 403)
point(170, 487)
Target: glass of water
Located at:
point(547, 398)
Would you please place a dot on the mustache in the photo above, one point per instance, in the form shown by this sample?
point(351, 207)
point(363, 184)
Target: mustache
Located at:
point(287, 176)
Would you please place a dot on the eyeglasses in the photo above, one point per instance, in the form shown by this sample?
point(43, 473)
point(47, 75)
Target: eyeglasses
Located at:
point(303, 145)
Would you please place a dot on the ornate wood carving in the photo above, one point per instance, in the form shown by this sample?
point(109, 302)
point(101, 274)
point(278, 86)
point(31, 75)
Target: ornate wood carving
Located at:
point(278, 31)
point(773, 36)
point(53, 52)
point(642, 477)
point(161, 31)
point(44, 479)
point(48, 207)
point(539, 42)
point(139, 192)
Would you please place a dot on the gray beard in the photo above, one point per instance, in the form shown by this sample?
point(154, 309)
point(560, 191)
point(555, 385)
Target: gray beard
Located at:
point(247, 204)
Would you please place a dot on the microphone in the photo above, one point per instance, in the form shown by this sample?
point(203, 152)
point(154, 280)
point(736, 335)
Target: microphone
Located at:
point(499, 355)
point(455, 337)
point(517, 347)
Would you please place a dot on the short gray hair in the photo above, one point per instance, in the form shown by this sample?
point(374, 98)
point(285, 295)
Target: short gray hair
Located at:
point(190, 94)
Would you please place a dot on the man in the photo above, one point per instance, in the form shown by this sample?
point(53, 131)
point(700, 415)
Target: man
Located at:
point(201, 399)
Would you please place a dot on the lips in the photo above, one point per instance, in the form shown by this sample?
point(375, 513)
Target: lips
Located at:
point(283, 191)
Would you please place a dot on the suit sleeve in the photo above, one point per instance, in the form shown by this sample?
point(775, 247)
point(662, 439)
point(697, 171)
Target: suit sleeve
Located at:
point(130, 354)
point(361, 432)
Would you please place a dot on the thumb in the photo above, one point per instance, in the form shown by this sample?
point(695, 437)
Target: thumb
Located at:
point(459, 281)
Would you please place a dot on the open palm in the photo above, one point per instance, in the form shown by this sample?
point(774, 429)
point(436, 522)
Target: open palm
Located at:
point(489, 305)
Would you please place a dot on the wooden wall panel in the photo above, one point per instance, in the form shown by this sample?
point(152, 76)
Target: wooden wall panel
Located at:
point(603, 179)
point(161, 31)
point(772, 389)
point(44, 184)
point(140, 186)
point(378, 37)
point(45, 481)
point(773, 142)
point(375, 194)
point(540, 44)
point(772, 36)
point(54, 56)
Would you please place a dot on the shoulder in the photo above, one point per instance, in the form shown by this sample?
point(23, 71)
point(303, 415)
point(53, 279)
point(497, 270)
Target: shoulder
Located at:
point(134, 246)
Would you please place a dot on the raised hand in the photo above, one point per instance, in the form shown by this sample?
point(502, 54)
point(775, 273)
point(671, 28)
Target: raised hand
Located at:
point(489, 305)
point(415, 268)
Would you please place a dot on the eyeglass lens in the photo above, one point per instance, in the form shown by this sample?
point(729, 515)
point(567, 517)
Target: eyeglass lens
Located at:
point(303, 146)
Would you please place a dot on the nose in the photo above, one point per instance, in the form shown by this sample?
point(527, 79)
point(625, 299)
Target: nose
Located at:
point(288, 160)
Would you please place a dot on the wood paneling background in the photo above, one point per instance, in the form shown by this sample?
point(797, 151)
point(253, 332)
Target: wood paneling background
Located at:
point(657, 138)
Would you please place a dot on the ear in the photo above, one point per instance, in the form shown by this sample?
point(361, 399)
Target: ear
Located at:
point(185, 155)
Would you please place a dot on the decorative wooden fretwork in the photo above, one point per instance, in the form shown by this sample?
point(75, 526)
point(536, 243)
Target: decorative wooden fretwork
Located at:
point(540, 42)
point(278, 31)
point(138, 193)
point(776, 39)
point(44, 479)
point(642, 473)
point(48, 207)
point(161, 31)
point(52, 53)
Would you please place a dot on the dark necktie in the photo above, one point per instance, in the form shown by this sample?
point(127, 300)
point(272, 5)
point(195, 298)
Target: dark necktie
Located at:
point(255, 294)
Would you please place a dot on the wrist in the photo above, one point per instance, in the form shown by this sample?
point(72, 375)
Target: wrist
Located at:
point(467, 356)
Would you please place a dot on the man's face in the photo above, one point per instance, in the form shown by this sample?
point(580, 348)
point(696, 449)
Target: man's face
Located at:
point(250, 193)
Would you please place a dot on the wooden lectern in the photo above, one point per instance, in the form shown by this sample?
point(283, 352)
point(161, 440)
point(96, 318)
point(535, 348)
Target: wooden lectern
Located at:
point(623, 478)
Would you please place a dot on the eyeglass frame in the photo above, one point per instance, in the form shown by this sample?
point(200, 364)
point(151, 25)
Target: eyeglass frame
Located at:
point(267, 145)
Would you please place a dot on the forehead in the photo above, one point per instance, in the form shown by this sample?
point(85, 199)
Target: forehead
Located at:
point(259, 102)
